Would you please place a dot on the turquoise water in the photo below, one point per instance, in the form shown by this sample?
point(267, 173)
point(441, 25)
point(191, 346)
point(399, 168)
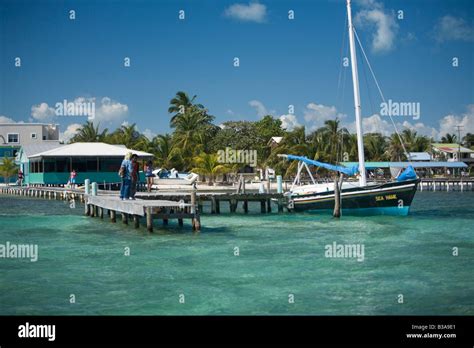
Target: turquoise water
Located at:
point(279, 255)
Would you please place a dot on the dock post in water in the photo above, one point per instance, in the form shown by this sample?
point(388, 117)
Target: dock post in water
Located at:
point(125, 218)
point(112, 216)
point(213, 205)
point(196, 222)
point(337, 195)
point(136, 221)
point(149, 219)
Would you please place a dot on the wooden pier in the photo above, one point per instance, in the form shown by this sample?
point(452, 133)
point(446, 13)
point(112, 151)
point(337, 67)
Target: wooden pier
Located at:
point(265, 200)
point(133, 210)
point(445, 184)
point(160, 205)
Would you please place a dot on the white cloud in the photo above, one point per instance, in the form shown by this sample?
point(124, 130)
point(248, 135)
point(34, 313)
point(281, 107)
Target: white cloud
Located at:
point(70, 131)
point(110, 111)
point(450, 28)
point(149, 134)
point(449, 122)
point(372, 124)
point(374, 15)
point(260, 108)
point(253, 12)
point(42, 112)
point(318, 113)
point(289, 122)
point(5, 119)
point(107, 111)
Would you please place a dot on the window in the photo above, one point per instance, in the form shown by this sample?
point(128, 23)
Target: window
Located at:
point(62, 165)
point(109, 164)
point(49, 165)
point(13, 138)
point(34, 136)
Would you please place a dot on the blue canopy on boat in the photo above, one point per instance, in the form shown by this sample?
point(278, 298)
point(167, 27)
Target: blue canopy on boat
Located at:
point(408, 174)
point(350, 171)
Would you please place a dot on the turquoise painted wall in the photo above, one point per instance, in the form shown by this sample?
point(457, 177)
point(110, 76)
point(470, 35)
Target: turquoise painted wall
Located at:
point(63, 178)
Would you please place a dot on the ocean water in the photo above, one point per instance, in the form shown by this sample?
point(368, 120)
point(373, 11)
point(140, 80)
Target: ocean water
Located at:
point(281, 257)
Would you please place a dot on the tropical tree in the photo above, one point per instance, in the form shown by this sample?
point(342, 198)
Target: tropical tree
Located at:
point(193, 132)
point(468, 140)
point(349, 149)
point(128, 135)
point(375, 146)
point(162, 148)
point(449, 138)
point(333, 135)
point(208, 165)
point(88, 133)
point(8, 168)
point(180, 105)
point(294, 142)
point(395, 150)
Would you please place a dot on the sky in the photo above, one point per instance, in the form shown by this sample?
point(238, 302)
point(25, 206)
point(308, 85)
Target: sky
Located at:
point(291, 56)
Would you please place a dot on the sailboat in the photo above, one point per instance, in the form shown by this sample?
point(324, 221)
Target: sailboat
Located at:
point(362, 197)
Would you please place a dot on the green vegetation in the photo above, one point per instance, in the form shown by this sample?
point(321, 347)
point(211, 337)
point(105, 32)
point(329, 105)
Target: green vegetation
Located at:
point(8, 168)
point(195, 141)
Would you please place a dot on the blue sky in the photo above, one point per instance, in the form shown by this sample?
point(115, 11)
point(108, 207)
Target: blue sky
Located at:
point(282, 62)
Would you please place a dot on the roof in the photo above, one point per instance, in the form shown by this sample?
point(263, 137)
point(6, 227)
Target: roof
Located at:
point(90, 149)
point(29, 124)
point(32, 149)
point(419, 156)
point(451, 148)
point(433, 164)
point(275, 139)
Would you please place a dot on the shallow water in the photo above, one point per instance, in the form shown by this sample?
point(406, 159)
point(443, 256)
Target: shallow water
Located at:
point(280, 254)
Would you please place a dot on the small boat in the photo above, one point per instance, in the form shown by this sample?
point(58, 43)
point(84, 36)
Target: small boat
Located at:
point(362, 197)
point(391, 198)
point(173, 177)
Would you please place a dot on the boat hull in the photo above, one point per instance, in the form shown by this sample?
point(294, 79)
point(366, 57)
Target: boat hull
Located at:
point(392, 198)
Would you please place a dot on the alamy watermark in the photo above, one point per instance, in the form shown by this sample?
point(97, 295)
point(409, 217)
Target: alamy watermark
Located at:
point(393, 108)
point(19, 251)
point(79, 107)
point(335, 250)
point(231, 156)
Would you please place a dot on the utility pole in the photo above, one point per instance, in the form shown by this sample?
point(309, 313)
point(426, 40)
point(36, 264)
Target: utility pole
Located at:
point(459, 144)
point(459, 141)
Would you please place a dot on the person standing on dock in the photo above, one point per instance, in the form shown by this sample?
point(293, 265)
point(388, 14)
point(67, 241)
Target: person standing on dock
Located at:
point(148, 169)
point(124, 173)
point(20, 177)
point(72, 179)
point(134, 176)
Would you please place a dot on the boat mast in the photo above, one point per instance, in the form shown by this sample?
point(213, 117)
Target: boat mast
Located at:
point(355, 82)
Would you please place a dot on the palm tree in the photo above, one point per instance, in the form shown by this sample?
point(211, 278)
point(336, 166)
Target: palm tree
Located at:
point(297, 143)
point(468, 140)
point(8, 169)
point(127, 135)
point(208, 165)
point(193, 130)
point(349, 149)
point(88, 133)
point(180, 105)
point(162, 148)
point(449, 138)
point(375, 146)
point(395, 149)
point(333, 135)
